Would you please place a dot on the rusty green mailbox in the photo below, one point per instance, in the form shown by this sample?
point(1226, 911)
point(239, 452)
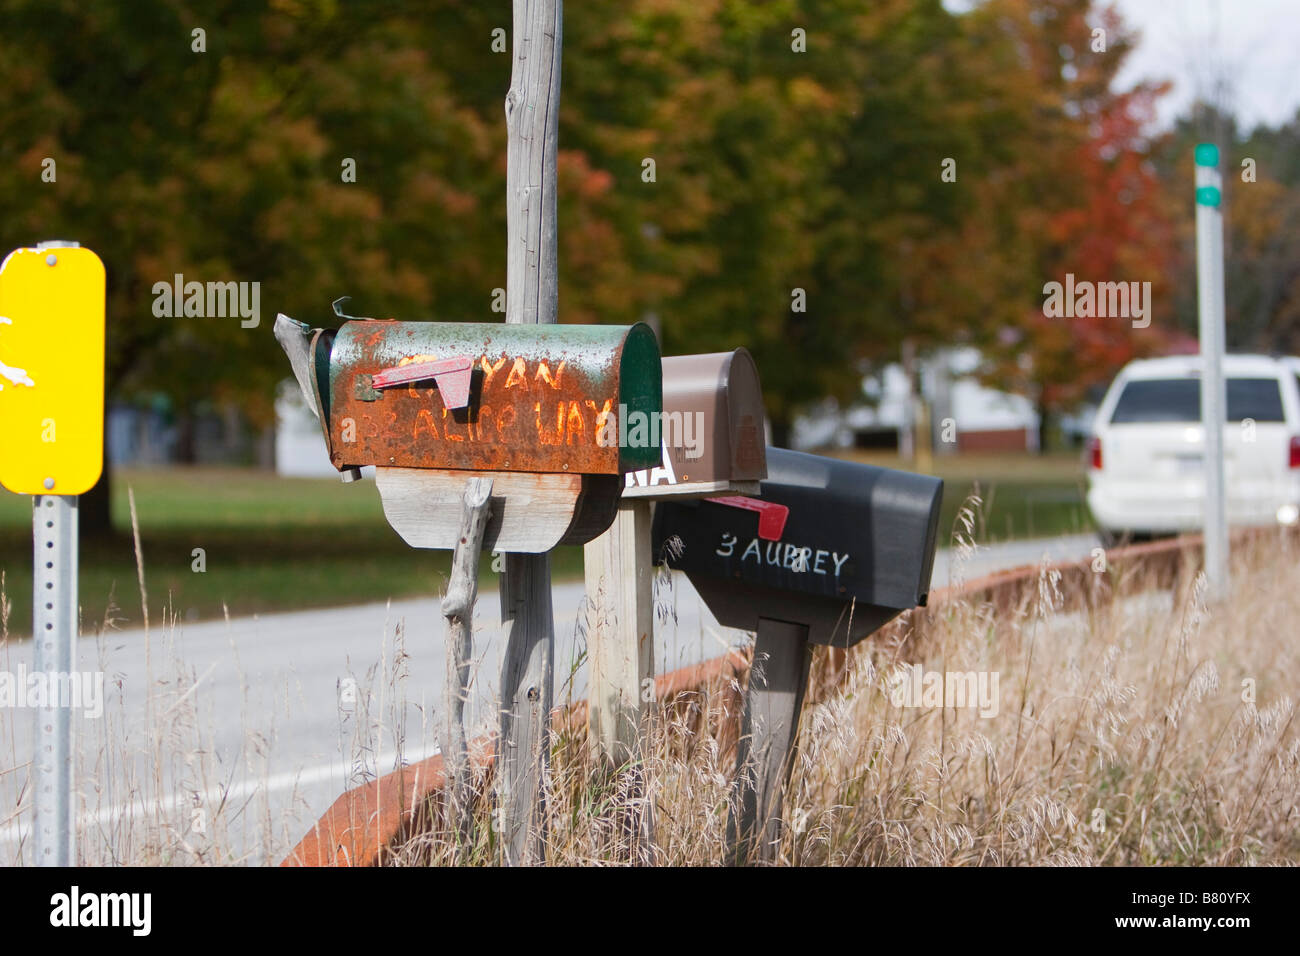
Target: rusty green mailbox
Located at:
point(535, 407)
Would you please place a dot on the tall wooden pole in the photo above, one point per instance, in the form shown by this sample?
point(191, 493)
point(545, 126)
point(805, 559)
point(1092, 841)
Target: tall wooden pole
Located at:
point(527, 684)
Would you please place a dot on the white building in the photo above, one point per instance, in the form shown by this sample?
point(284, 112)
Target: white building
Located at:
point(965, 415)
point(299, 445)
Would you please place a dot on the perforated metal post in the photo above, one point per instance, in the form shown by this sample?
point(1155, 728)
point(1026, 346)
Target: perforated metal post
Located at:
point(54, 632)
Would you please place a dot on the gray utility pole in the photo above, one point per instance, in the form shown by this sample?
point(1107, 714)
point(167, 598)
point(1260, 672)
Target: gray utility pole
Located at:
point(1210, 295)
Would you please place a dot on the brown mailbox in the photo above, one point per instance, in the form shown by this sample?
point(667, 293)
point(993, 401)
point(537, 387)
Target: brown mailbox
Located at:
point(711, 430)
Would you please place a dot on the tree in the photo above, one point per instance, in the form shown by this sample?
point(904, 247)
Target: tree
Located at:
point(1082, 197)
point(214, 144)
point(770, 175)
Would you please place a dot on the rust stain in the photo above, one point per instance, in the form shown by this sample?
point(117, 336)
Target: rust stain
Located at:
point(528, 410)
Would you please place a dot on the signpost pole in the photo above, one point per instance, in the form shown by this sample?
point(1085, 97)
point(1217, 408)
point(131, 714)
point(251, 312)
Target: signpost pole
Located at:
point(1210, 296)
point(54, 630)
point(532, 282)
point(52, 418)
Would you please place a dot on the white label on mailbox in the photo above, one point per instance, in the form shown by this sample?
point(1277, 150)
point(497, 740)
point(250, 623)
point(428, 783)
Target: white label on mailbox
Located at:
point(651, 477)
point(800, 560)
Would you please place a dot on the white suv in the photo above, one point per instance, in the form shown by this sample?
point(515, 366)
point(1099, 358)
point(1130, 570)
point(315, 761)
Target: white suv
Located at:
point(1145, 471)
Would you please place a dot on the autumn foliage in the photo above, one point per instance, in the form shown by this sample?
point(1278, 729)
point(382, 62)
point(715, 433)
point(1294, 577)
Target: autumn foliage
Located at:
point(817, 180)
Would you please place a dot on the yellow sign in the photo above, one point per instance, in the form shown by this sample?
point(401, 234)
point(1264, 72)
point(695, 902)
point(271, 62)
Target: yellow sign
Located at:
point(51, 370)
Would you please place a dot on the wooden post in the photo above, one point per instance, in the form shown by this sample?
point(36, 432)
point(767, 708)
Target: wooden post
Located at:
point(533, 130)
point(620, 641)
point(769, 729)
point(527, 696)
point(533, 125)
point(620, 648)
point(458, 609)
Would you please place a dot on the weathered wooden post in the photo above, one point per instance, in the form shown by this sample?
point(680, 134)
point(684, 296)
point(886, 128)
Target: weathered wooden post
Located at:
point(527, 682)
point(778, 678)
point(458, 609)
point(620, 658)
point(620, 637)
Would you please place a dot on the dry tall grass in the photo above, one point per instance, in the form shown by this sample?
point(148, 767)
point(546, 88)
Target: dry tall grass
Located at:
point(153, 787)
point(1150, 730)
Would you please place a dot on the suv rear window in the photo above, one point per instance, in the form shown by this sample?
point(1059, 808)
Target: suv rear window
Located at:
point(1179, 400)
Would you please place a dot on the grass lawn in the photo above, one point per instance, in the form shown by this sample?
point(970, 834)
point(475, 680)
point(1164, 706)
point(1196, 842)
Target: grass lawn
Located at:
point(271, 543)
point(1022, 496)
point(268, 543)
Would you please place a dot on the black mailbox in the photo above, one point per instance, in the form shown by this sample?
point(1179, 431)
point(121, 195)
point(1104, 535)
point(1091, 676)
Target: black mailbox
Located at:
point(833, 545)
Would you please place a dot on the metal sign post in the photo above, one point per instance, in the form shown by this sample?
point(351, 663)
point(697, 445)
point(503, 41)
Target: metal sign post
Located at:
point(52, 420)
point(54, 631)
point(1210, 296)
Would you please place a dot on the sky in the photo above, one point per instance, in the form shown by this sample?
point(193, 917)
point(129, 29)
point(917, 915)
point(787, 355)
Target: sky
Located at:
point(1251, 46)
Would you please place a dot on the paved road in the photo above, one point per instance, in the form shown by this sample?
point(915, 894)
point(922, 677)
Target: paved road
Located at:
point(283, 712)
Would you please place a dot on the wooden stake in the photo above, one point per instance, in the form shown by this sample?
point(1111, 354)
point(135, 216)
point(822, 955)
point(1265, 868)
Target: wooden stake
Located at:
point(458, 609)
point(527, 694)
point(769, 730)
point(532, 280)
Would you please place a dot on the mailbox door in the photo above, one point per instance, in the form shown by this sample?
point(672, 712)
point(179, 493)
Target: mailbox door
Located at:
point(537, 398)
point(856, 547)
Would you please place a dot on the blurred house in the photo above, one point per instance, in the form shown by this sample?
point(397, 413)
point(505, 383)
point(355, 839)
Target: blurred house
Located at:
point(299, 445)
point(965, 416)
point(138, 435)
point(146, 433)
